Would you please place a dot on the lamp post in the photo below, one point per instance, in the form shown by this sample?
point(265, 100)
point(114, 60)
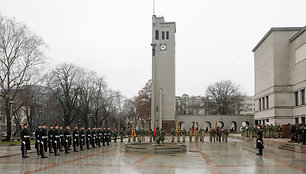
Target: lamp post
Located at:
point(11, 115)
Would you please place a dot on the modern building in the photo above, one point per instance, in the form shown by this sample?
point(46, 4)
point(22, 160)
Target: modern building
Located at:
point(247, 106)
point(280, 76)
point(163, 73)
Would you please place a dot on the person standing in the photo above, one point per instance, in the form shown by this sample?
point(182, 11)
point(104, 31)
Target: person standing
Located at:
point(173, 135)
point(82, 138)
point(109, 136)
point(43, 141)
point(184, 135)
point(93, 137)
point(99, 134)
point(129, 133)
point(61, 139)
point(121, 133)
point(50, 138)
point(67, 138)
point(190, 134)
point(88, 137)
point(25, 141)
point(75, 135)
point(37, 139)
point(104, 136)
point(259, 141)
point(56, 136)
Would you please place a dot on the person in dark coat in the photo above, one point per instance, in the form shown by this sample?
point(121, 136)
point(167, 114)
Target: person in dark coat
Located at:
point(43, 141)
point(93, 137)
point(88, 137)
point(25, 140)
point(259, 140)
point(61, 139)
point(56, 139)
point(50, 138)
point(37, 139)
point(98, 131)
point(75, 135)
point(67, 139)
point(109, 136)
point(82, 138)
point(104, 136)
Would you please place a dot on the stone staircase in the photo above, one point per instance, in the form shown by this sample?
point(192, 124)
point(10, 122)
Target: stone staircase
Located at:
point(288, 146)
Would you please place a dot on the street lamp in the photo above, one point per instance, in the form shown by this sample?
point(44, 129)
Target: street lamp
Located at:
point(11, 115)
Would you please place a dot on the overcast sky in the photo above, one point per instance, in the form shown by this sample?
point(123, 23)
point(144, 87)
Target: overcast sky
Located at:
point(214, 39)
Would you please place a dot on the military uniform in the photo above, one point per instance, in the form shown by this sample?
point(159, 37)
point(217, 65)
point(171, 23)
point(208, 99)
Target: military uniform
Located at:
point(43, 142)
point(37, 141)
point(50, 139)
point(25, 142)
point(100, 136)
point(61, 139)
point(202, 135)
point(109, 134)
point(93, 138)
point(184, 135)
point(129, 133)
point(82, 139)
point(173, 135)
point(190, 135)
point(67, 142)
point(56, 136)
point(259, 142)
point(121, 134)
point(88, 138)
point(75, 143)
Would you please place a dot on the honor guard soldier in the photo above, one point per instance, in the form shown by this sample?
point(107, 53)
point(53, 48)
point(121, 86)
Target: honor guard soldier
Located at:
point(129, 133)
point(109, 134)
point(43, 141)
point(115, 134)
point(151, 134)
point(61, 142)
point(50, 139)
point(104, 134)
point(75, 135)
point(190, 134)
point(184, 135)
point(25, 141)
point(172, 133)
point(99, 133)
point(93, 137)
point(88, 137)
point(100, 136)
point(82, 138)
point(56, 136)
point(202, 134)
point(67, 138)
point(121, 134)
point(259, 141)
point(37, 139)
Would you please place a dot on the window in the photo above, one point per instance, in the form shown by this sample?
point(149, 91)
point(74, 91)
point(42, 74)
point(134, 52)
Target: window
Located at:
point(156, 34)
point(267, 100)
point(303, 96)
point(163, 35)
point(167, 35)
point(267, 120)
point(263, 122)
point(156, 108)
point(259, 104)
point(296, 94)
point(296, 120)
point(259, 121)
point(303, 120)
point(263, 103)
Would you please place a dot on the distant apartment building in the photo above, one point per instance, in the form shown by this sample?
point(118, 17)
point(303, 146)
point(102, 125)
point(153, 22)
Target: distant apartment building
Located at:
point(280, 76)
point(247, 106)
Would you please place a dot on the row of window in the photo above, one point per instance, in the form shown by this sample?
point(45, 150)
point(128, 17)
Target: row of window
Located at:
point(302, 94)
point(263, 122)
point(264, 103)
point(163, 36)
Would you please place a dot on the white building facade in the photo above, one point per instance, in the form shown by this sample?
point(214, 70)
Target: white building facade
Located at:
point(280, 76)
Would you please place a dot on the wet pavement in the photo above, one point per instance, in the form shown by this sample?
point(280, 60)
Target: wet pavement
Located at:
point(235, 156)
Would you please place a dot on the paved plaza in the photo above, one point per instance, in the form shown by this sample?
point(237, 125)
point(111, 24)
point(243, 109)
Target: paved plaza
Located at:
point(235, 156)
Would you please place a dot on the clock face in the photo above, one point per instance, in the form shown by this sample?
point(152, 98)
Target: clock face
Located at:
point(163, 47)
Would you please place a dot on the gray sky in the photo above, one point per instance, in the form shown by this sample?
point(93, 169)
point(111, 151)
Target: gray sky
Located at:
point(214, 39)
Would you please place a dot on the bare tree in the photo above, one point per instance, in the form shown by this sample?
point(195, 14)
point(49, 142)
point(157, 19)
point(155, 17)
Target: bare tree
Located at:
point(226, 95)
point(143, 101)
point(64, 83)
point(21, 54)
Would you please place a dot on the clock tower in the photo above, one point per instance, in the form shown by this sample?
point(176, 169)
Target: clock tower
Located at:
point(163, 74)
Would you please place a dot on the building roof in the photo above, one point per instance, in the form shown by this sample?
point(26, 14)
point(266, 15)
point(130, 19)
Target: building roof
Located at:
point(276, 29)
point(297, 34)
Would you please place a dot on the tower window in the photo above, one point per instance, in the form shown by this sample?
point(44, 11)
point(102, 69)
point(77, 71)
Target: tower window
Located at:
point(156, 34)
point(163, 35)
point(296, 94)
point(167, 35)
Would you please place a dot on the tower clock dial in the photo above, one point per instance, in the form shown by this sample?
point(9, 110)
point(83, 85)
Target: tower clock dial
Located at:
point(163, 47)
